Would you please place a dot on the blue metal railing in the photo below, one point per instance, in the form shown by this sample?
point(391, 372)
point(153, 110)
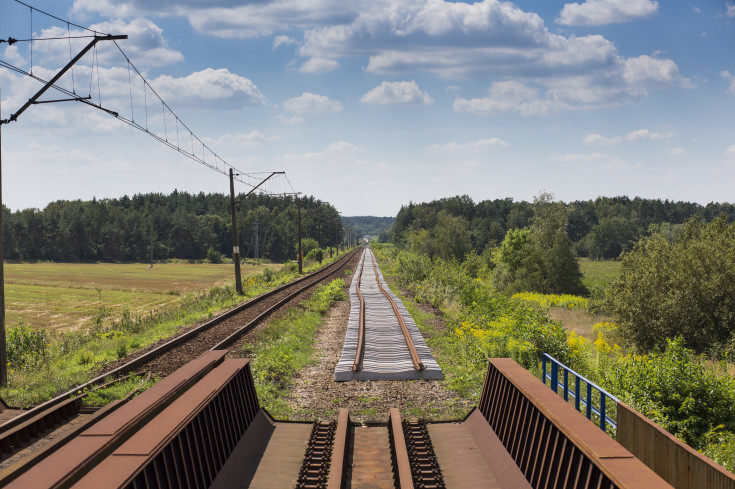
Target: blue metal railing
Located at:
point(551, 368)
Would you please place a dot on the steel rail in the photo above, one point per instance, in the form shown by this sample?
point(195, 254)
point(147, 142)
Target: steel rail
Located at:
point(152, 354)
point(417, 363)
point(360, 352)
point(235, 335)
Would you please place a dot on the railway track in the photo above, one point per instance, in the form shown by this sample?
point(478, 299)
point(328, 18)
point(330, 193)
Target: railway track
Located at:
point(202, 427)
point(161, 360)
point(359, 354)
point(382, 340)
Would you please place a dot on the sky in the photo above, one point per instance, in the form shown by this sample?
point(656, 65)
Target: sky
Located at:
point(372, 105)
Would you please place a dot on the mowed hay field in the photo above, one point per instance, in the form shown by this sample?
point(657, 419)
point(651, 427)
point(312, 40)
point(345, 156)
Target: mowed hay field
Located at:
point(65, 296)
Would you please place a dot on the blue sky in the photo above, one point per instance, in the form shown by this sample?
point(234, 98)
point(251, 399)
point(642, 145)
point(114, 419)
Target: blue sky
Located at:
point(370, 105)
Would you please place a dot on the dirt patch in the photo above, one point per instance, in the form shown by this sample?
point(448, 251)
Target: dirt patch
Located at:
point(579, 321)
point(315, 395)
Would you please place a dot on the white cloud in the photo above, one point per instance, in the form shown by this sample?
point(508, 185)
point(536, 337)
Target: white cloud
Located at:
point(646, 71)
point(12, 55)
point(631, 136)
point(602, 12)
point(506, 96)
point(397, 93)
point(145, 45)
point(318, 65)
point(730, 12)
point(219, 88)
point(479, 145)
point(282, 41)
point(604, 160)
point(337, 153)
point(488, 38)
point(730, 152)
point(730, 79)
point(311, 103)
point(289, 121)
point(456, 39)
point(678, 151)
point(252, 138)
point(229, 18)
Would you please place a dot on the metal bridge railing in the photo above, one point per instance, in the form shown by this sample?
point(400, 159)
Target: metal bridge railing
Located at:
point(552, 368)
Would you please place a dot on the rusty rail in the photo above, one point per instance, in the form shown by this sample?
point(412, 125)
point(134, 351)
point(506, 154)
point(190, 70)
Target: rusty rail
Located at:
point(338, 463)
point(417, 363)
point(148, 356)
point(360, 353)
point(401, 461)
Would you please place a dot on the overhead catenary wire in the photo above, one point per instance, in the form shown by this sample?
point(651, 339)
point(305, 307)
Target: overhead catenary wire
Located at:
point(208, 158)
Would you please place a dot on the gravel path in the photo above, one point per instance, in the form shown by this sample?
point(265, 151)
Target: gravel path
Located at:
point(315, 395)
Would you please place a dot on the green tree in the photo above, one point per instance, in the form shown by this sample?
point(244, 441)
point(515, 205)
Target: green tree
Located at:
point(451, 237)
point(684, 287)
point(540, 258)
point(609, 238)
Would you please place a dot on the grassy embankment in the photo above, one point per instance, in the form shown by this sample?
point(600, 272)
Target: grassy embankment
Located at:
point(674, 387)
point(91, 315)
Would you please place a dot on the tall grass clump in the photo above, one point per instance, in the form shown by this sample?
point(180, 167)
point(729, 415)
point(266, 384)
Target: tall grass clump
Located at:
point(286, 346)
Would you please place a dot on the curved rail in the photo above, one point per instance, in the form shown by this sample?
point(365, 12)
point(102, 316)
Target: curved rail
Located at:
point(179, 340)
point(357, 365)
point(417, 363)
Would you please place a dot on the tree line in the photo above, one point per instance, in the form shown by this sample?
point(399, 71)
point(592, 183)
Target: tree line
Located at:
point(179, 225)
point(600, 228)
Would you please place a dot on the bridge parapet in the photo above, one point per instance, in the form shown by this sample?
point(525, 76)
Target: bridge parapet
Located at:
point(553, 445)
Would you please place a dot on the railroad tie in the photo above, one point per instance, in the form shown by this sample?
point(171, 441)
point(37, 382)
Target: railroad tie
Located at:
point(315, 469)
point(425, 469)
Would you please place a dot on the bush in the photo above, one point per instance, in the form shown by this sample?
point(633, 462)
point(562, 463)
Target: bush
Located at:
point(213, 255)
point(682, 288)
point(674, 389)
point(539, 258)
point(26, 347)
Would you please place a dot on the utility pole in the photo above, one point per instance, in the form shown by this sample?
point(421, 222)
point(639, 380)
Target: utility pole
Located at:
point(235, 246)
point(319, 227)
point(151, 242)
point(14, 117)
point(3, 346)
point(257, 254)
point(301, 255)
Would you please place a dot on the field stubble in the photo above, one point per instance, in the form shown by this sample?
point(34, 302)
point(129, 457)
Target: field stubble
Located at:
point(65, 296)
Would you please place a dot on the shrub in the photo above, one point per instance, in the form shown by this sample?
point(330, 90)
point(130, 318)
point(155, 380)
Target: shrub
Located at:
point(674, 389)
point(26, 347)
point(213, 255)
point(682, 288)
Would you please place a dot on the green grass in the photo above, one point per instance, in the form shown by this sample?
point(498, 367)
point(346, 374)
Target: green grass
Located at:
point(286, 346)
point(68, 295)
point(69, 357)
point(102, 397)
point(598, 273)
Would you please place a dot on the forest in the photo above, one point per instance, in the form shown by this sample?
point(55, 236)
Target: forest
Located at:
point(372, 225)
point(601, 228)
point(179, 225)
